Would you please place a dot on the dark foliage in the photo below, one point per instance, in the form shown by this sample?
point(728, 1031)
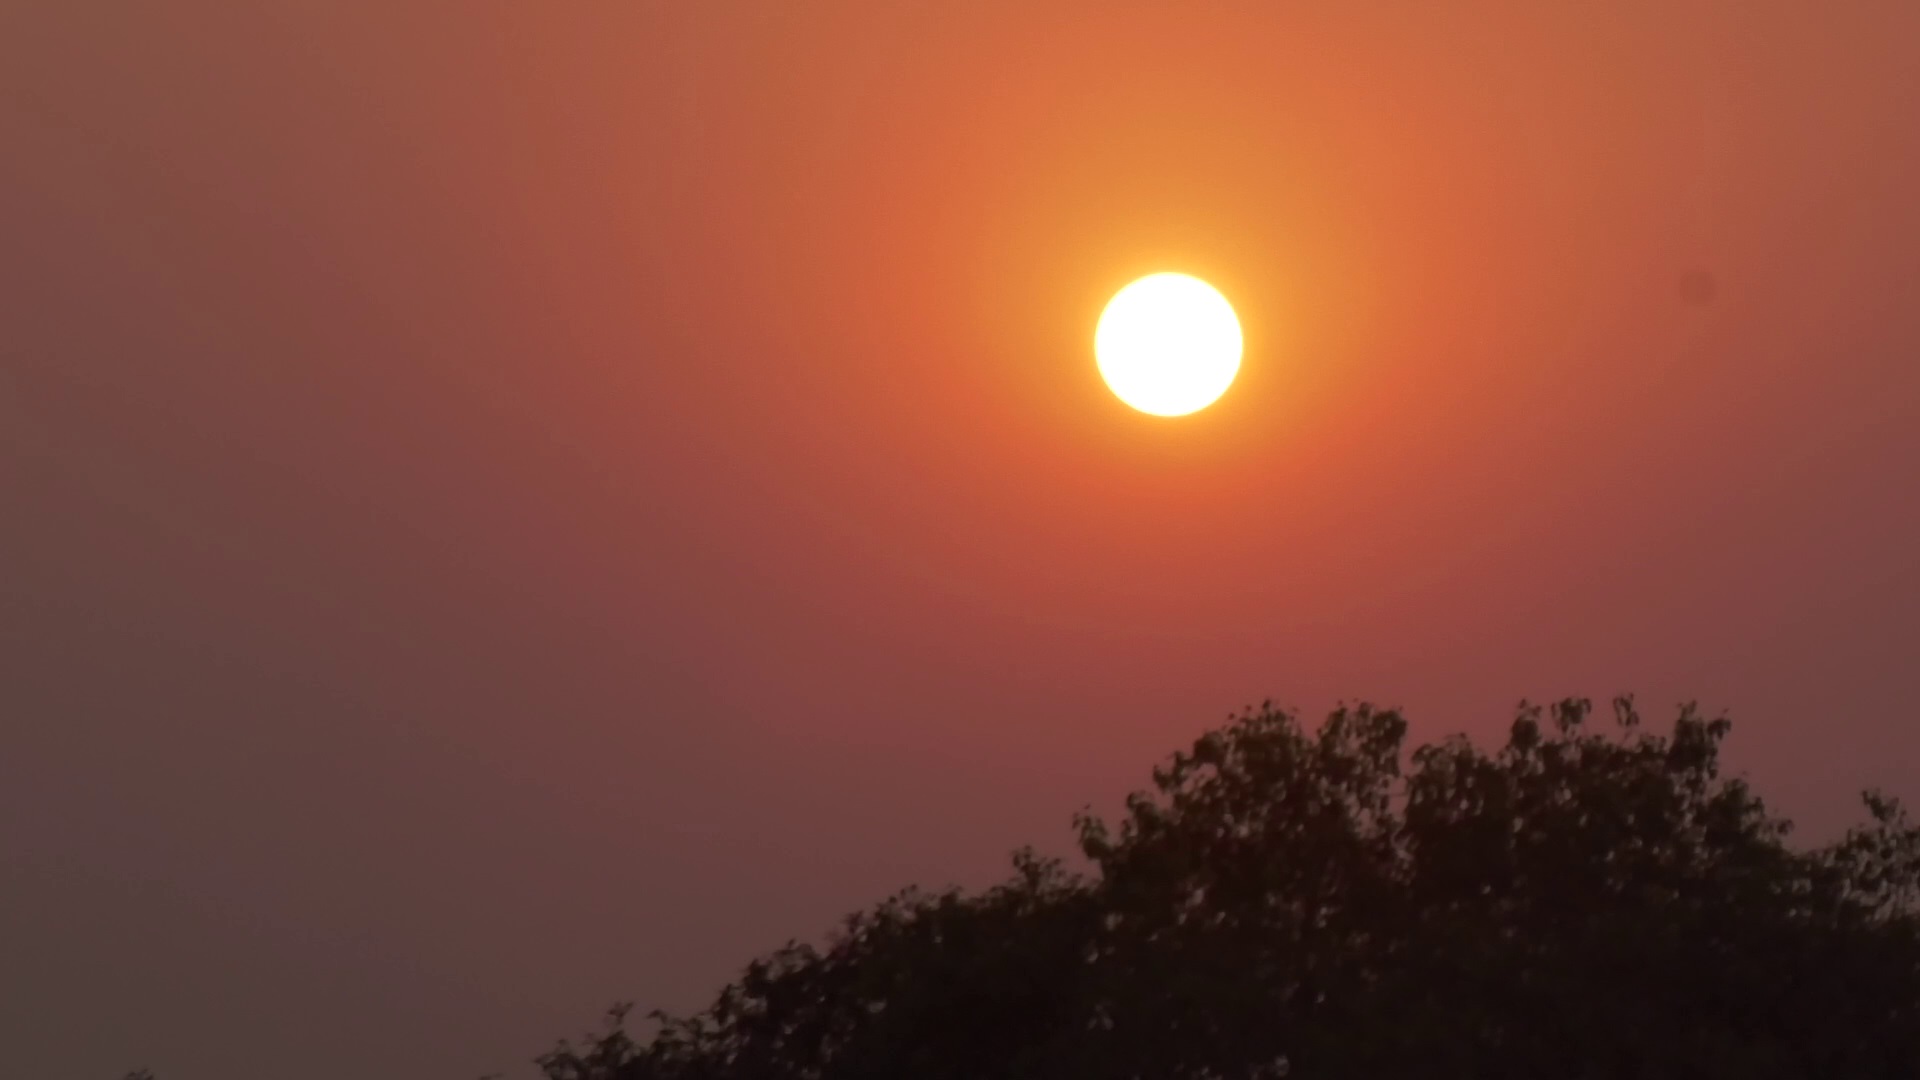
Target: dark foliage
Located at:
point(1576, 904)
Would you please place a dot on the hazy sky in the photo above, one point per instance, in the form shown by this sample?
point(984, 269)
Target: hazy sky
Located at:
point(510, 507)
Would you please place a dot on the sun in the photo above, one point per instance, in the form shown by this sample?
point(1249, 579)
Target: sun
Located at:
point(1168, 344)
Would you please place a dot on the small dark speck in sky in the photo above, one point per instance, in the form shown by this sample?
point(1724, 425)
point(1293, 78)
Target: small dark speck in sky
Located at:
point(1698, 288)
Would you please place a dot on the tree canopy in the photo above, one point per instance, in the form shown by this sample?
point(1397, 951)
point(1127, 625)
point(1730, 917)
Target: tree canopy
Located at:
point(1585, 901)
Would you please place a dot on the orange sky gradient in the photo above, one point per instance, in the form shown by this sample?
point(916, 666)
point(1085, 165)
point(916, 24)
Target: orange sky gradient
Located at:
point(509, 508)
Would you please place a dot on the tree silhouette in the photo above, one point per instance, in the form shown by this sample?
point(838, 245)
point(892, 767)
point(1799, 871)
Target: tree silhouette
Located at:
point(1575, 904)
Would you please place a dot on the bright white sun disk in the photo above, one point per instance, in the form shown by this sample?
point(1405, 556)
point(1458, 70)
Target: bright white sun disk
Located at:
point(1168, 344)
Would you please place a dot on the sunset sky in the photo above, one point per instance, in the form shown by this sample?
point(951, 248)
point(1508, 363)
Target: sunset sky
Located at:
point(506, 508)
